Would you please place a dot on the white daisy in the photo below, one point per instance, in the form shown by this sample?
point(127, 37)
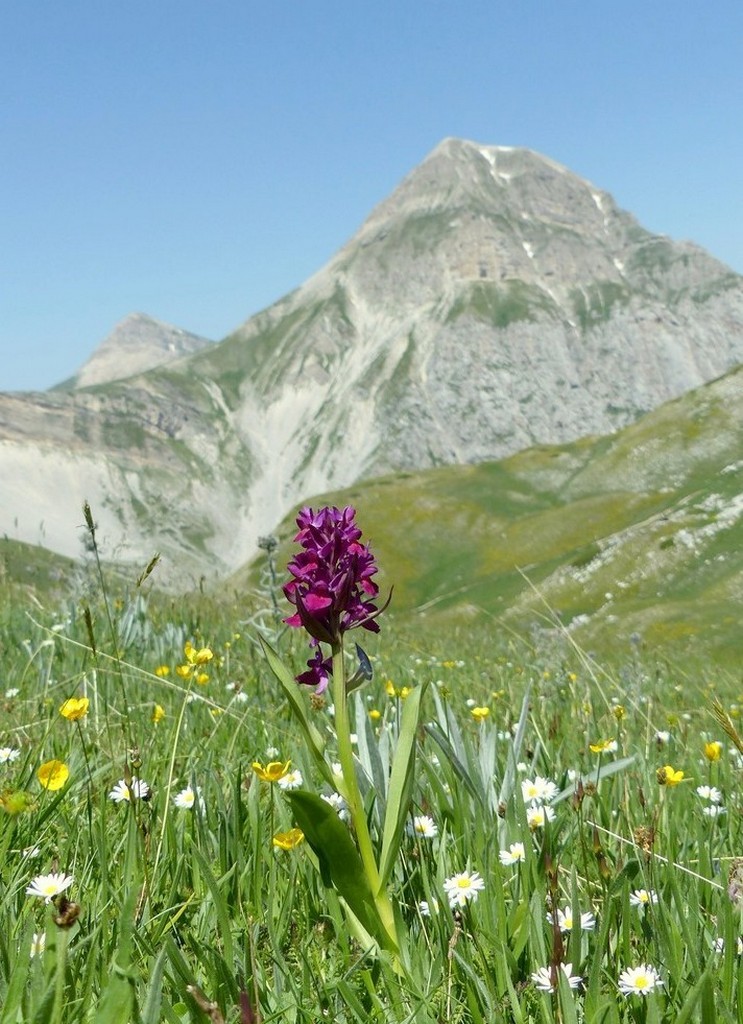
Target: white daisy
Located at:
point(137, 790)
point(292, 780)
point(710, 793)
point(512, 855)
point(12, 692)
point(38, 944)
point(543, 978)
point(426, 909)
point(49, 886)
point(662, 737)
point(339, 805)
point(9, 754)
point(465, 886)
point(538, 814)
point(713, 810)
point(186, 799)
point(538, 790)
point(423, 826)
point(565, 920)
point(640, 980)
point(720, 946)
point(643, 897)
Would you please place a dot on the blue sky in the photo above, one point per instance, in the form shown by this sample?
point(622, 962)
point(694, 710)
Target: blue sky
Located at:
point(197, 160)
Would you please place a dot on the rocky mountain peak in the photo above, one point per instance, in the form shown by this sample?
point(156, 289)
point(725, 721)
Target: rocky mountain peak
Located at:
point(138, 343)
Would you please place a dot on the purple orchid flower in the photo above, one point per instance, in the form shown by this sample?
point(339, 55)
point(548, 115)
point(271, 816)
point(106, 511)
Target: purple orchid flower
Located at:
point(331, 587)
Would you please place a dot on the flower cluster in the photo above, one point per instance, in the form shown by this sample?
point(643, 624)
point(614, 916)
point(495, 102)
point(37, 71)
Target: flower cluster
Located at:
point(331, 587)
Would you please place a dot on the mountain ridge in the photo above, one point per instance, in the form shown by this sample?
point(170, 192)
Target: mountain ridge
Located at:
point(492, 302)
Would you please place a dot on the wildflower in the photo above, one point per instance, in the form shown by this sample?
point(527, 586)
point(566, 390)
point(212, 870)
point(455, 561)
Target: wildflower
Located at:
point(643, 897)
point(424, 827)
point(667, 776)
point(38, 944)
point(9, 754)
point(719, 946)
point(565, 920)
point(543, 978)
point(538, 790)
point(158, 713)
point(603, 746)
point(49, 886)
point(53, 774)
point(713, 750)
point(202, 678)
point(512, 855)
point(479, 714)
point(197, 656)
point(375, 714)
point(338, 804)
point(713, 810)
point(122, 792)
point(162, 671)
point(11, 693)
point(288, 840)
point(273, 771)
point(75, 708)
point(184, 671)
point(538, 814)
point(619, 711)
point(639, 980)
point(463, 887)
point(331, 586)
point(710, 793)
point(186, 799)
point(318, 672)
point(662, 737)
point(292, 780)
point(389, 688)
point(426, 909)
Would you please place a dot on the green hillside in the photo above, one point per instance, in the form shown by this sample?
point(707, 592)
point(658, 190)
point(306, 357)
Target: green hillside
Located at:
point(636, 537)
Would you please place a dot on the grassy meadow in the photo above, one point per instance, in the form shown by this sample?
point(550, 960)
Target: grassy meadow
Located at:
point(561, 812)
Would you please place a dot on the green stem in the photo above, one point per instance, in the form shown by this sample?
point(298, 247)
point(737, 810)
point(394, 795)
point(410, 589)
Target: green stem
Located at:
point(353, 795)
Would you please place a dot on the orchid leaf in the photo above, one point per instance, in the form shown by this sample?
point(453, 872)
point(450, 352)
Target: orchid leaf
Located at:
point(339, 860)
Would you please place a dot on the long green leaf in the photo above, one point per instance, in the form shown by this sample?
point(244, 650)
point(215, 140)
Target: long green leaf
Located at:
point(454, 761)
point(401, 780)
point(151, 1008)
point(11, 1009)
point(340, 863)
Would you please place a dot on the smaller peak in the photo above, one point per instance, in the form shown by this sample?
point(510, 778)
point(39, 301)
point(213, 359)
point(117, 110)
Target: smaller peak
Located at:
point(137, 343)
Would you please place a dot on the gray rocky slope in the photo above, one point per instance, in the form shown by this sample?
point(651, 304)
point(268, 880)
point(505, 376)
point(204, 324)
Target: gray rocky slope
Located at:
point(493, 301)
